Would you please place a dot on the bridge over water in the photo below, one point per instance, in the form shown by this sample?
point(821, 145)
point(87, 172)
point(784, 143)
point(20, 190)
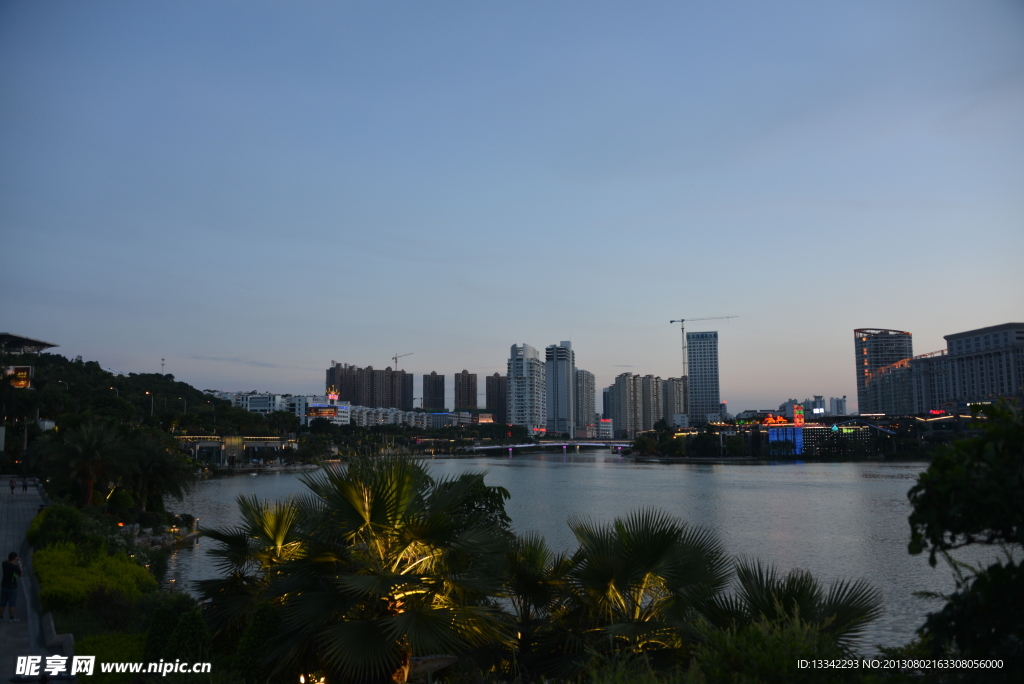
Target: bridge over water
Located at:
point(606, 444)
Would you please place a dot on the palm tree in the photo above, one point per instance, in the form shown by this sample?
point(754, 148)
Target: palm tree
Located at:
point(535, 580)
point(156, 466)
point(634, 586)
point(249, 557)
point(388, 563)
point(839, 612)
point(90, 454)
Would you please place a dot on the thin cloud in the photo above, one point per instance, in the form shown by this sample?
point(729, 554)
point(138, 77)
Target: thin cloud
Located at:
point(235, 359)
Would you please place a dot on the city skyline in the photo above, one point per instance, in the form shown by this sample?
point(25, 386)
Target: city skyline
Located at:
point(249, 193)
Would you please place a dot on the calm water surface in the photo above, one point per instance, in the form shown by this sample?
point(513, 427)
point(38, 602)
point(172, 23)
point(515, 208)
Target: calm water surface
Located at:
point(838, 520)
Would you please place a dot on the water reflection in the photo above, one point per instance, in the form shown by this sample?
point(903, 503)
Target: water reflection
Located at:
point(838, 520)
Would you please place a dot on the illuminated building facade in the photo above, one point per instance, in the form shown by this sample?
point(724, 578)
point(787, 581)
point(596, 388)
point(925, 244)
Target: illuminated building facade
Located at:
point(326, 406)
point(977, 366)
point(875, 349)
point(818, 440)
point(705, 403)
point(527, 389)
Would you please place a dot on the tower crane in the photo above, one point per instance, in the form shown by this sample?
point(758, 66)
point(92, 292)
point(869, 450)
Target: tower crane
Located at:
point(399, 356)
point(686, 359)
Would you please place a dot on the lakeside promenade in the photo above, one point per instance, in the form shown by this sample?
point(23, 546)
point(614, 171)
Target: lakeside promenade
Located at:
point(24, 637)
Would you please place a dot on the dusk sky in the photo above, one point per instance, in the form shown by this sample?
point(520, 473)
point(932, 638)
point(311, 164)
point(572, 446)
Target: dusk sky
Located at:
point(252, 189)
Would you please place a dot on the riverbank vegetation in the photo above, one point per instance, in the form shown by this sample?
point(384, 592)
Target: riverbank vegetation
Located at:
point(906, 442)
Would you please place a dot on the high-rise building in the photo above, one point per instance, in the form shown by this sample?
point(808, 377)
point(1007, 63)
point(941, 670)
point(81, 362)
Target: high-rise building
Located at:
point(875, 349)
point(986, 363)
point(627, 405)
point(585, 399)
point(702, 358)
point(497, 397)
point(607, 401)
point(560, 378)
point(837, 406)
point(976, 366)
point(527, 389)
point(368, 387)
point(433, 392)
point(673, 397)
point(652, 408)
point(465, 391)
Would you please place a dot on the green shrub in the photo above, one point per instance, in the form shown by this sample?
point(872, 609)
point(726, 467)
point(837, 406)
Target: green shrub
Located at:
point(55, 524)
point(151, 519)
point(638, 671)
point(767, 653)
point(253, 645)
point(191, 638)
point(67, 579)
point(122, 500)
point(109, 648)
point(165, 617)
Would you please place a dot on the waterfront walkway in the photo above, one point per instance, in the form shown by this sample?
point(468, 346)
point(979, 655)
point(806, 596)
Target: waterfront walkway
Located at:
point(24, 637)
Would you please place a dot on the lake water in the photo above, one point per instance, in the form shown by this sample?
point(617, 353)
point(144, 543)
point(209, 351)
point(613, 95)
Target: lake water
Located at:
point(838, 520)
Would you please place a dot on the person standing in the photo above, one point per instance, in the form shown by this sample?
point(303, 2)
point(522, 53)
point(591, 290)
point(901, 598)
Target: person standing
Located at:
point(9, 584)
point(13, 485)
point(24, 484)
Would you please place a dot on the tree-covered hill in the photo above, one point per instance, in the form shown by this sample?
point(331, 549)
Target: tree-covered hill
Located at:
point(71, 392)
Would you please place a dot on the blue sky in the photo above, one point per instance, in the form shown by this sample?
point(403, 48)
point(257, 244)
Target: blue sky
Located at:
point(252, 189)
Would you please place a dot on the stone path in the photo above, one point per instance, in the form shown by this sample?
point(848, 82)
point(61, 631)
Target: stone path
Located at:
point(19, 638)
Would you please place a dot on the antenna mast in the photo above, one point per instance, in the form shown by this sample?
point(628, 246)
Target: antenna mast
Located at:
point(686, 357)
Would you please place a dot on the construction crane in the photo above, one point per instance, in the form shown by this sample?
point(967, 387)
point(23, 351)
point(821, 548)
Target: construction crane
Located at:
point(686, 359)
point(399, 356)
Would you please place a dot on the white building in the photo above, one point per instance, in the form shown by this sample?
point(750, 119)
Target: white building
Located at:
point(627, 405)
point(310, 406)
point(449, 419)
point(527, 389)
point(255, 401)
point(673, 397)
point(705, 402)
point(653, 408)
point(605, 428)
point(560, 379)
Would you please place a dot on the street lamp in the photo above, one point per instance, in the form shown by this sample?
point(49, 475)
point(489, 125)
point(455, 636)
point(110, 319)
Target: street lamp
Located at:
point(150, 403)
point(65, 385)
point(118, 393)
point(185, 411)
